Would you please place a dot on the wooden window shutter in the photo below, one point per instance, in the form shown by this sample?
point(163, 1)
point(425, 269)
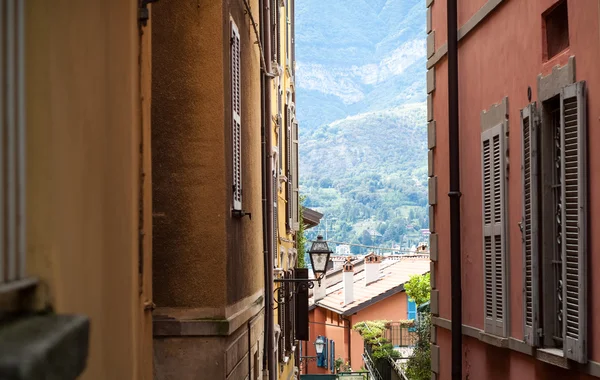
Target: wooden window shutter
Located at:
point(493, 164)
point(295, 174)
point(236, 107)
point(13, 140)
point(574, 219)
point(275, 222)
point(288, 155)
point(288, 313)
point(530, 223)
point(280, 129)
point(274, 26)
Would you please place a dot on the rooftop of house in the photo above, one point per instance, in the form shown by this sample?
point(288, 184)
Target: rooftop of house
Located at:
point(392, 276)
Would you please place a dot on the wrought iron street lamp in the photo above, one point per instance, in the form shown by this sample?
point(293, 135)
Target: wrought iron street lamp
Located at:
point(319, 345)
point(319, 257)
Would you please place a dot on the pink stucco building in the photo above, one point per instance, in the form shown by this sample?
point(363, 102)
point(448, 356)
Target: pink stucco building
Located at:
point(528, 118)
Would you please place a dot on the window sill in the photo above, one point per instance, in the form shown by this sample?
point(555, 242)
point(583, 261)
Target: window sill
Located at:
point(44, 347)
point(552, 356)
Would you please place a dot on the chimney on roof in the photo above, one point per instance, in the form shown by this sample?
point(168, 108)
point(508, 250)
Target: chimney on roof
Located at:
point(319, 292)
point(372, 262)
point(348, 278)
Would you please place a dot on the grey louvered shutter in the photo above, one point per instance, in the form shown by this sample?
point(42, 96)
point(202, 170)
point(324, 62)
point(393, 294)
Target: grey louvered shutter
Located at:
point(530, 223)
point(493, 164)
point(236, 120)
point(574, 219)
point(288, 155)
point(295, 174)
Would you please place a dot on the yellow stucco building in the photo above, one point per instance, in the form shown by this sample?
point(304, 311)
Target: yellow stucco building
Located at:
point(285, 172)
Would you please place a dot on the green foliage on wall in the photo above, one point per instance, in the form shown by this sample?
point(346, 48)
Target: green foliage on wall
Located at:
point(372, 333)
point(300, 238)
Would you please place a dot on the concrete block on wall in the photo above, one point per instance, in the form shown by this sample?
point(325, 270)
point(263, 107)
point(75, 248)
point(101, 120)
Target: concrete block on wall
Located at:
point(432, 274)
point(428, 29)
point(435, 358)
point(430, 163)
point(428, 3)
point(434, 302)
point(431, 134)
point(430, 44)
point(429, 107)
point(431, 219)
point(431, 80)
point(433, 247)
point(433, 335)
point(432, 185)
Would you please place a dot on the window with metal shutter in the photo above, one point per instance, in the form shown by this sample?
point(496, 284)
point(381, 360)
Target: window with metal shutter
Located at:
point(12, 157)
point(493, 164)
point(530, 223)
point(574, 219)
point(236, 120)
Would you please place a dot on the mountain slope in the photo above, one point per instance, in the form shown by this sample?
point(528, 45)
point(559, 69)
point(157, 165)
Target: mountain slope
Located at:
point(361, 104)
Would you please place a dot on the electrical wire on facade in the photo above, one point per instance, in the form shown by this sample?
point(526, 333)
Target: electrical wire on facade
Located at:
point(263, 64)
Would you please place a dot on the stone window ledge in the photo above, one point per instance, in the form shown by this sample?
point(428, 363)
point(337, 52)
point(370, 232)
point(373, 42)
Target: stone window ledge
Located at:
point(44, 347)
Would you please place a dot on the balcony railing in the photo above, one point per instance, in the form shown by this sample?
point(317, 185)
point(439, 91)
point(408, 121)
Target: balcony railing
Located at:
point(400, 336)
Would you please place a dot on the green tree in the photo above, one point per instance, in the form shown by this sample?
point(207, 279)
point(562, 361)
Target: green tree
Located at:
point(418, 366)
point(300, 238)
point(418, 287)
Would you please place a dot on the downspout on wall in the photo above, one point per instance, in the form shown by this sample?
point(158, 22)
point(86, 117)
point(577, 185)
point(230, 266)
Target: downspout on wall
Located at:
point(454, 193)
point(267, 192)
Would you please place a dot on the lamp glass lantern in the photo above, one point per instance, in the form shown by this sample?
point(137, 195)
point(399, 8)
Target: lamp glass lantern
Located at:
point(319, 345)
point(319, 257)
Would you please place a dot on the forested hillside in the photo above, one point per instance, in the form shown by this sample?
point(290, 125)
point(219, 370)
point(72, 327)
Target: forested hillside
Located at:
point(361, 106)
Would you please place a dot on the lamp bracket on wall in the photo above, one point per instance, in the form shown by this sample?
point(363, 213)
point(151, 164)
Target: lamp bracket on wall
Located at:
point(300, 284)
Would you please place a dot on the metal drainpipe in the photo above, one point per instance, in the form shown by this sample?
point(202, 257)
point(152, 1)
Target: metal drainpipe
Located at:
point(267, 188)
point(349, 333)
point(454, 193)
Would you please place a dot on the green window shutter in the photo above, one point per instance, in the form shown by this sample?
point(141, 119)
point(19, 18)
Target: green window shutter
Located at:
point(574, 219)
point(236, 106)
point(494, 245)
point(530, 223)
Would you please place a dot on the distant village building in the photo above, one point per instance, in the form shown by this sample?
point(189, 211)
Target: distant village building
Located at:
point(342, 249)
point(362, 290)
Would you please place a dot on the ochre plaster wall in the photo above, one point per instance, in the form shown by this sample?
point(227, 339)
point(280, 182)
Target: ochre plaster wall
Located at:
point(502, 57)
point(190, 194)
point(82, 108)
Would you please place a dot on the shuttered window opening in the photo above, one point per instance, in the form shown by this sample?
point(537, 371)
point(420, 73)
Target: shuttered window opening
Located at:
point(529, 223)
point(574, 220)
point(494, 249)
point(236, 107)
point(556, 149)
point(12, 155)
